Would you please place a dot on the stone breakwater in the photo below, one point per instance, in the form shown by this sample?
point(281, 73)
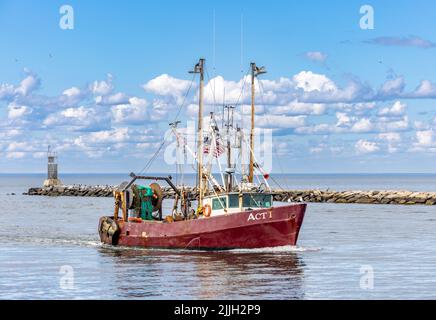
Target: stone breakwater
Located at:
point(327, 196)
point(364, 197)
point(83, 191)
point(72, 191)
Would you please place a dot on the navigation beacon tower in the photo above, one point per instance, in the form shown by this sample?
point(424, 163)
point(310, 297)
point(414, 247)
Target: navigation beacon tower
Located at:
point(52, 169)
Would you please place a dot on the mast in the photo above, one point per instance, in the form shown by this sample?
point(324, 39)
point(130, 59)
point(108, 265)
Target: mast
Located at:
point(229, 150)
point(255, 71)
point(199, 68)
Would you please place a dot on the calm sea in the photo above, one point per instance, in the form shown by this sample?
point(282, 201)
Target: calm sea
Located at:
point(50, 250)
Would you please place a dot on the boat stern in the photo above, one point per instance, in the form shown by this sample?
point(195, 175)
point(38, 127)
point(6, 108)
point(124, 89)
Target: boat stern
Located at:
point(108, 230)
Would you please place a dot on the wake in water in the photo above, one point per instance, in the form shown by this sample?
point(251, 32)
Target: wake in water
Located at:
point(278, 250)
point(90, 242)
point(33, 237)
point(282, 249)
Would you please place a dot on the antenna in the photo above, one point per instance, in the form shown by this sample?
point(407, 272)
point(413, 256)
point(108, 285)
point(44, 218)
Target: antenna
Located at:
point(214, 43)
point(242, 42)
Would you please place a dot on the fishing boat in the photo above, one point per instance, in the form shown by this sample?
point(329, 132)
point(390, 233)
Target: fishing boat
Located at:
point(212, 215)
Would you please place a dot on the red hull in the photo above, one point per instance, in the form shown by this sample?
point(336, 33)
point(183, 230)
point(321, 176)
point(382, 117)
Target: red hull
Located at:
point(278, 226)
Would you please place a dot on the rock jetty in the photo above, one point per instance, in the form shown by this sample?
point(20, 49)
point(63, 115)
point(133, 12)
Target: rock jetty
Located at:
point(72, 191)
point(83, 191)
point(328, 196)
point(364, 197)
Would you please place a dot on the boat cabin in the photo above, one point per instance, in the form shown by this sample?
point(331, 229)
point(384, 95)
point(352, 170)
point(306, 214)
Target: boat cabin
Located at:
point(236, 202)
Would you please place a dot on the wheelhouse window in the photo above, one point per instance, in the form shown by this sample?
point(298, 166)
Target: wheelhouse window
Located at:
point(257, 200)
point(233, 200)
point(219, 203)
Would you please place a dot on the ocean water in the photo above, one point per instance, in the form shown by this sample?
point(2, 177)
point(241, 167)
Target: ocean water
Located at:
point(50, 250)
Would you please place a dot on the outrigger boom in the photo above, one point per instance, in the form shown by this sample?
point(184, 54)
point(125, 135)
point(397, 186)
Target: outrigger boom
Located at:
point(166, 179)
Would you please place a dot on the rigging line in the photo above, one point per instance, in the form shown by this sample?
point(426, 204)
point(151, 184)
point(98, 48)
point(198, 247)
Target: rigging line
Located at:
point(214, 140)
point(148, 164)
point(258, 167)
point(213, 37)
point(214, 46)
point(242, 89)
point(212, 89)
point(196, 160)
point(239, 98)
point(215, 193)
point(261, 88)
point(184, 98)
point(177, 171)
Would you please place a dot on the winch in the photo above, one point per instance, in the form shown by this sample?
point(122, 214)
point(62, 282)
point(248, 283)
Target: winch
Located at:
point(142, 201)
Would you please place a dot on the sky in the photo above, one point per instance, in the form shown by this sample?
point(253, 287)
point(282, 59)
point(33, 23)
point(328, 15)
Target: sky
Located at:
point(341, 95)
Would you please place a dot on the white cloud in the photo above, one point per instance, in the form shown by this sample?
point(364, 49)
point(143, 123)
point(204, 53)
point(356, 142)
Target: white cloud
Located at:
point(363, 125)
point(309, 81)
point(9, 133)
point(72, 92)
point(343, 119)
point(18, 146)
point(139, 102)
point(6, 91)
point(361, 108)
point(421, 125)
point(80, 118)
point(424, 138)
point(122, 140)
point(316, 56)
point(352, 124)
point(165, 85)
point(113, 99)
point(106, 136)
point(88, 118)
point(39, 155)
point(363, 146)
point(321, 128)
point(393, 87)
point(392, 141)
point(316, 150)
point(80, 113)
point(425, 89)
point(28, 84)
point(299, 108)
point(389, 125)
point(16, 111)
point(276, 121)
point(396, 110)
point(19, 149)
point(15, 155)
point(390, 136)
point(102, 88)
point(133, 113)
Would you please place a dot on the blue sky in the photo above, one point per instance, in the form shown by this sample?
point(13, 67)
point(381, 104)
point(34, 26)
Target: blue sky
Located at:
point(338, 98)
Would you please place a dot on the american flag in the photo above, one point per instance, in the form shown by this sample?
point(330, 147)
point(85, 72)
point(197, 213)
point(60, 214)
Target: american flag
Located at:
point(218, 148)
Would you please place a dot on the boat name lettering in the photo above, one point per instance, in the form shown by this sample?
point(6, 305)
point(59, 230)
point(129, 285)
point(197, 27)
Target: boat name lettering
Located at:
point(260, 216)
